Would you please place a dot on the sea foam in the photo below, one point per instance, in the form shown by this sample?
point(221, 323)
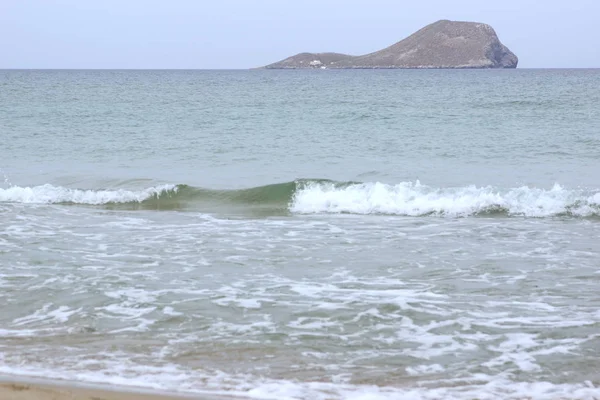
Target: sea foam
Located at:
point(49, 194)
point(414, 199)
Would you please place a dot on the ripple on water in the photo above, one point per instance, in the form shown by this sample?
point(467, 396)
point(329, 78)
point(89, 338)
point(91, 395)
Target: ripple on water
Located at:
point(293, 307)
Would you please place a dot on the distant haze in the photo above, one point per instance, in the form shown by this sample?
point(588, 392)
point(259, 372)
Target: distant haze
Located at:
point(199, 34)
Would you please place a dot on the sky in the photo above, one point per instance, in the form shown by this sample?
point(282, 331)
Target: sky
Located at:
point(231, 34)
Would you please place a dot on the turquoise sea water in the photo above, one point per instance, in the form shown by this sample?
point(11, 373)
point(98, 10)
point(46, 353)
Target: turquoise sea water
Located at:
point(303, 234)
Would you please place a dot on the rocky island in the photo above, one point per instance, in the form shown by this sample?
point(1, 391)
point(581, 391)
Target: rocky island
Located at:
point(443, 44)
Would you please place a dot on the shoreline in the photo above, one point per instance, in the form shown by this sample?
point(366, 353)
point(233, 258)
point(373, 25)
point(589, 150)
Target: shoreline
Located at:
point(26, 388)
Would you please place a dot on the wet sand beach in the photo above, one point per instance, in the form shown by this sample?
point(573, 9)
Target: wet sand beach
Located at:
point(36, 389)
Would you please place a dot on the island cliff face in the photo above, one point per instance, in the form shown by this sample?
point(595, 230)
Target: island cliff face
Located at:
point(443, 44)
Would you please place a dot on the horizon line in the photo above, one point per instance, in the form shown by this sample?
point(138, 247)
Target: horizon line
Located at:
point(283, 69)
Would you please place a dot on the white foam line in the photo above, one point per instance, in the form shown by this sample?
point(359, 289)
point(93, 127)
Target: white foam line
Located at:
point(49, 194)
point(414, 199)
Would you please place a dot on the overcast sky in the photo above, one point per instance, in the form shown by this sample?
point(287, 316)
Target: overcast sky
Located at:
point(249, 33)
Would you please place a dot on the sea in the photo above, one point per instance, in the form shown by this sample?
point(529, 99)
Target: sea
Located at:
point(303, 234)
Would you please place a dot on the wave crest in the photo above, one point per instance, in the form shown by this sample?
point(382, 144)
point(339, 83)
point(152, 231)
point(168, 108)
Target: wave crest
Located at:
point(49, 194)
point(313, 196)
point(414, 199)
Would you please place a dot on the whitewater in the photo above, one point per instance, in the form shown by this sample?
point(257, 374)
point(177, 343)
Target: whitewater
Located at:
point(303, 234)
point(321, 196)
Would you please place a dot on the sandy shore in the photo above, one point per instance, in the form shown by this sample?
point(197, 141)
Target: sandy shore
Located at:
point(33, 389)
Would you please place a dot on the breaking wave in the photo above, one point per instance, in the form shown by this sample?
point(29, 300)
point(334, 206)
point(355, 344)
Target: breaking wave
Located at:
point(318, 196)
point(48, 194)
point(414, 199)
